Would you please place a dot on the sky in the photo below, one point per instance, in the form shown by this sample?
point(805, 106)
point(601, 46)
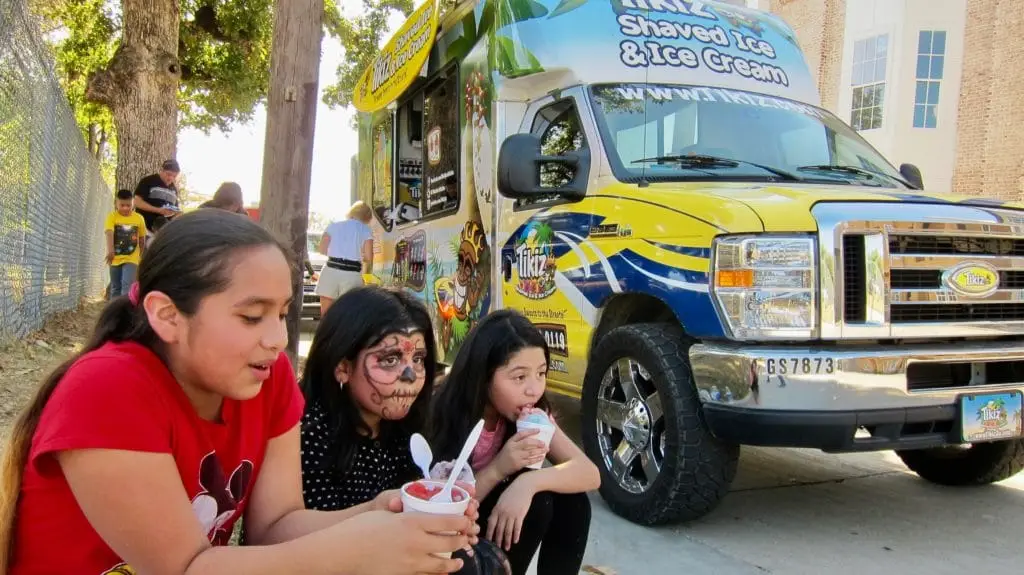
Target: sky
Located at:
point(208, 160)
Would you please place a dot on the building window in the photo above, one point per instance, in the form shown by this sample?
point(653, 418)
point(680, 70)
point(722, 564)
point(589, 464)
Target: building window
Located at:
point(869, 57)
point(931, 56)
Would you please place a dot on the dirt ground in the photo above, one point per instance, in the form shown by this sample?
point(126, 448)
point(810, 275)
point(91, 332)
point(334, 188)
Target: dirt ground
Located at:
point(25, 362)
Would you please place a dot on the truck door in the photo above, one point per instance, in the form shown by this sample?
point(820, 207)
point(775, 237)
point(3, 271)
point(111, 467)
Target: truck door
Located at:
point(540, 242)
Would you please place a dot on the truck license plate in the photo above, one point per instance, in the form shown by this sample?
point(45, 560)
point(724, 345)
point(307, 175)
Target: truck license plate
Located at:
point(799, 365)
point(990, 416)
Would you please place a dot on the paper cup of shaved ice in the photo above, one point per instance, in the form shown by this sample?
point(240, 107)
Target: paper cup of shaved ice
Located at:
point(416, 498)
point(537, 419)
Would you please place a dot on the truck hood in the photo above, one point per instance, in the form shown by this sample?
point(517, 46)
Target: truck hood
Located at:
point(787, 208)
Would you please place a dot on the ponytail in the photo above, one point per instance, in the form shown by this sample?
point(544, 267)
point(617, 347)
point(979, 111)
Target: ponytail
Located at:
point(119, 321)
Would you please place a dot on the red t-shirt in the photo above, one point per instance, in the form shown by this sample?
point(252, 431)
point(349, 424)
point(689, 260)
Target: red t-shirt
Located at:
point(121, 396)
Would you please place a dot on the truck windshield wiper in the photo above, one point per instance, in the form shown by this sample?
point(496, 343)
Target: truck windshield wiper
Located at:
point(869, 174)
point(705, 161)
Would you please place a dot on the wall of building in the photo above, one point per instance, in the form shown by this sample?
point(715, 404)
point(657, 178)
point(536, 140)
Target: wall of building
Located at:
point(819, 28)
point(867, 19)
point(990, 141)
point(933, 150)
point(829, 31)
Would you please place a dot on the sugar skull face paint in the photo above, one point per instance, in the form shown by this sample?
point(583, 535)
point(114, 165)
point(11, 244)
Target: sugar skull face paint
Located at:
point(388, 377)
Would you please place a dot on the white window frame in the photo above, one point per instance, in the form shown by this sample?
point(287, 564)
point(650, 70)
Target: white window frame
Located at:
point(931, 56)
point(870, 63)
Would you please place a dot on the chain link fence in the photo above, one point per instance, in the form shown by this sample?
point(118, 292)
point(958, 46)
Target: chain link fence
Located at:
point(53, 200)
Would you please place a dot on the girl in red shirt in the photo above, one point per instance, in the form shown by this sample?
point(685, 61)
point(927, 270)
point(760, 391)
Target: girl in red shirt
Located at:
point(182, 415)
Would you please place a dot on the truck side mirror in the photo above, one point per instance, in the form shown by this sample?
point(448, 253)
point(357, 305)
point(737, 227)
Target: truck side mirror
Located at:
point(525, 173)
point(912, 175)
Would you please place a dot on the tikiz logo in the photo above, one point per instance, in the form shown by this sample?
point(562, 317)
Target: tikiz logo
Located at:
point(434, 146)
point(554, 335)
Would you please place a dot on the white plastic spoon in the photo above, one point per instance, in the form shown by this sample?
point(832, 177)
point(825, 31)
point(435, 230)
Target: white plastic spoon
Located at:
point(421, 454)
point(446, 494)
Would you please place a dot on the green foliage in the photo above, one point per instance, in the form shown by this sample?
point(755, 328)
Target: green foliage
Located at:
point(361, 37)
point(224, 52)
point(84, 39)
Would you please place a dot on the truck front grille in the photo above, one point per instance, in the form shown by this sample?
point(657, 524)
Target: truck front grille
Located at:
point(955, 245)
point(853, 272)
point(910, 313)
point(897, 278)
point(932, 279)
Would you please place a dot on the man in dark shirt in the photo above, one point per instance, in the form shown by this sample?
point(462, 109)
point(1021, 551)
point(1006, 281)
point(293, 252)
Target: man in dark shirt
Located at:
point(156, 196)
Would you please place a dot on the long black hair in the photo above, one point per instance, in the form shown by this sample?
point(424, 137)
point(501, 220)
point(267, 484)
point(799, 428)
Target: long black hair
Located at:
point(466, 393)
point(190, 259)
point(356, 321)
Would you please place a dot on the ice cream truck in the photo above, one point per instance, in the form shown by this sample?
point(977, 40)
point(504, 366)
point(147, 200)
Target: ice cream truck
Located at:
point(714, 259)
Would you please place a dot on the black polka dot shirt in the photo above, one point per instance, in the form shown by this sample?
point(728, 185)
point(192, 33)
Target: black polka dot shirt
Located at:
point(376, 466)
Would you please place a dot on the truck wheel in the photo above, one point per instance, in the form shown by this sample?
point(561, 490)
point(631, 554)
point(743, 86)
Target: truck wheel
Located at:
point(978, 464)
point(642, 427)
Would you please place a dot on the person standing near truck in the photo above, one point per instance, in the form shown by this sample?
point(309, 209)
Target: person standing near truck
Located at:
point(227, 197)
point(348, 245)
point(125, 232)
point(156, 195)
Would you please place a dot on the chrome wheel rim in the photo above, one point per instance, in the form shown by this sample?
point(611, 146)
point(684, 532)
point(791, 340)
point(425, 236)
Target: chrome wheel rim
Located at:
point(630, 426)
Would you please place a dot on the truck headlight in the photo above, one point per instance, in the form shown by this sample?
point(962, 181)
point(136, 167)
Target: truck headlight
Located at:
point(765, 286)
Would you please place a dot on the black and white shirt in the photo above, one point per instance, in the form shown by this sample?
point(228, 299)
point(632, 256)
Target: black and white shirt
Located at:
point(156, 193)
point(376, 466)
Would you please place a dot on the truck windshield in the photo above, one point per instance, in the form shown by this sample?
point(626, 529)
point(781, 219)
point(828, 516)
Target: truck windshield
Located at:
point(650, 129)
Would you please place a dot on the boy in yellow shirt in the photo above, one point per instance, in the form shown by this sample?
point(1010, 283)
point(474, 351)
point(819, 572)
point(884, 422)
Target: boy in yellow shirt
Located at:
point(125, 230)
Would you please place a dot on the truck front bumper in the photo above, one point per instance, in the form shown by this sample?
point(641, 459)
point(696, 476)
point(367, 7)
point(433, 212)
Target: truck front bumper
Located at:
point(847, 398)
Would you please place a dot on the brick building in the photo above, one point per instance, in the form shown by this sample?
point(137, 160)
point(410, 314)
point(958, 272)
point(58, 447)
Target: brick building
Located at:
point(935, 83)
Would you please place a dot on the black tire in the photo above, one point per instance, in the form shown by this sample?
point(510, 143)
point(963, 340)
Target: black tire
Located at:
point(697, 468)
point(979, 464)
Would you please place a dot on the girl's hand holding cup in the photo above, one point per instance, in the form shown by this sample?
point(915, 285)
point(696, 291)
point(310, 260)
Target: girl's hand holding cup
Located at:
point(537, 419)
point(415, 498)
point(414, 542)
point(523, 450)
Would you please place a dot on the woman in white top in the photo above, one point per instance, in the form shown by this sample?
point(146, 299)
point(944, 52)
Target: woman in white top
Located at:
point(348, 245)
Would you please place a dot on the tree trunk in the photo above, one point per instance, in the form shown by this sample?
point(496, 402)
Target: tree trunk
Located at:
point(140, 86)
point(93, 128)
point(288, 149)
point(101, 145)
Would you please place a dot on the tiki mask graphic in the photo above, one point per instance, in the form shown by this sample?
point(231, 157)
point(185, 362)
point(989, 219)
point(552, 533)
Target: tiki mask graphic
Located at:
point(470, 275)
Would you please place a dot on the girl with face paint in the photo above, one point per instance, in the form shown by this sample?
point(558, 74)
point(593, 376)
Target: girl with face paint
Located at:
point(367, 384)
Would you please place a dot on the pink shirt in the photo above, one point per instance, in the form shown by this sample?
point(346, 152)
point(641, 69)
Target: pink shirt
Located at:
point(488, 446)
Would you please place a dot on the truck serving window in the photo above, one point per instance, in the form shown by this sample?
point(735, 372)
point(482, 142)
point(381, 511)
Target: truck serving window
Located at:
point(408, 193)
point(649, 129)
point(380, 170)
point(441, 147)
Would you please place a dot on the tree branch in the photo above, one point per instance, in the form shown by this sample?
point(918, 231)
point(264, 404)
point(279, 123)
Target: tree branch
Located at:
point(206, 20)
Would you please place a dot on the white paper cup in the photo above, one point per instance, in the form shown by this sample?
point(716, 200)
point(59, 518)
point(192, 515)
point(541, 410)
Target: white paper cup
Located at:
point(547, 431)
point(415, 504)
